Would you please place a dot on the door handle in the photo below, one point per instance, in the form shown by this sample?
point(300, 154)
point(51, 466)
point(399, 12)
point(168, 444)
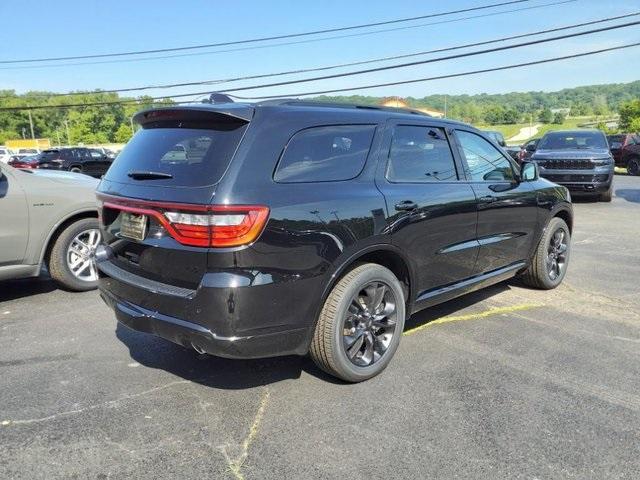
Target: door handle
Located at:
point(406, 206)
point(488, 199)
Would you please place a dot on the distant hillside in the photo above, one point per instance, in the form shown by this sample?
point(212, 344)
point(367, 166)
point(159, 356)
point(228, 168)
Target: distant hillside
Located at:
point(512, 108)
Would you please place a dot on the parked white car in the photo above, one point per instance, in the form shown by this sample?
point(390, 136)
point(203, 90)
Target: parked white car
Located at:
point(5, 154)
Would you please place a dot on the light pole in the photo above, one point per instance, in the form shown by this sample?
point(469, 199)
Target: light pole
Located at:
point(66, 124)
point(31, 125)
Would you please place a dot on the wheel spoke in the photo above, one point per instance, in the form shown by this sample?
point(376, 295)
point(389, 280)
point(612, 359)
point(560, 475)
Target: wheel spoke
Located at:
point(355, 307)
point(368, 348)
point(75, 248)
point(377, 296)
point(82, 267)
point(354, 348)
point(382, 321)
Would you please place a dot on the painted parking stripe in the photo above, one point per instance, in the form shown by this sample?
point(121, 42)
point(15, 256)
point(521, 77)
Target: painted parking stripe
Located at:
point(474, 316)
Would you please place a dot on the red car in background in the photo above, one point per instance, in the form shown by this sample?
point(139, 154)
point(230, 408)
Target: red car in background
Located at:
point(625, 149)
point(23, 161)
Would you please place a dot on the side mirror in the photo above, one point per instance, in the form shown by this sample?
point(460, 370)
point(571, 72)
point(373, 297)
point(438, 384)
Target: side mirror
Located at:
point(530, 148)
point(529, 172)
point(616, 146)
point(502, 143)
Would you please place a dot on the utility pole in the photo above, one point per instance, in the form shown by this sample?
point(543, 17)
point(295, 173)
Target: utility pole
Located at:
point(66, 124)
point(133, 130)
point(445, 106)
point(31, 125)
point(58, 135)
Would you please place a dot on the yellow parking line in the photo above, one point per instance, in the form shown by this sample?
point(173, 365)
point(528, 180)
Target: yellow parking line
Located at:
point(475, 316)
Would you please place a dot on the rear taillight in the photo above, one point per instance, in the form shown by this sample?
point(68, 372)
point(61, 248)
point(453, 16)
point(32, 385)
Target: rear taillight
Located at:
point(198, 225)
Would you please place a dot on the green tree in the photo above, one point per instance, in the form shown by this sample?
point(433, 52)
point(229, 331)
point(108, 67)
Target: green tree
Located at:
point(630, 115)
point(123, 133)
point(558, 118)
point(546, 116)
point(511, 116)
point(494, 115)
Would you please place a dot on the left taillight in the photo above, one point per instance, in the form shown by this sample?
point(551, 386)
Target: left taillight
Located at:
point(196, 225)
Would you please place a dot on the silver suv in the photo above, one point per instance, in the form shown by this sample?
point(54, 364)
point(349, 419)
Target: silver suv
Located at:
point(48, 218)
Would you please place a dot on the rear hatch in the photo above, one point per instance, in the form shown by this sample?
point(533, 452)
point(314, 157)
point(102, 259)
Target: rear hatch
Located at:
point(155, 200)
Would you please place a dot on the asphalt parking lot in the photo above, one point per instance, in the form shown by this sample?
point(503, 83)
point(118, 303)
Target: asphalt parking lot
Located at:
point(505, 383)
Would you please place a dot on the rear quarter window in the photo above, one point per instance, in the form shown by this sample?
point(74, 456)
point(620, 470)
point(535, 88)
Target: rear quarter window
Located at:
point(325, 154)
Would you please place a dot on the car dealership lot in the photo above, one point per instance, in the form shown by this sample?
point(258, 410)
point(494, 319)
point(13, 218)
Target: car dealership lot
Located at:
point(505, 383)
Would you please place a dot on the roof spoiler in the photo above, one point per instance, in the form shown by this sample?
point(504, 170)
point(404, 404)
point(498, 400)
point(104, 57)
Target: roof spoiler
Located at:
point(202, 111)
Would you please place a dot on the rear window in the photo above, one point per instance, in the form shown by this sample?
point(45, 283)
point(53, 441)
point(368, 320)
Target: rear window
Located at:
point(325, 154)
point(49, 155)
point(195, 157)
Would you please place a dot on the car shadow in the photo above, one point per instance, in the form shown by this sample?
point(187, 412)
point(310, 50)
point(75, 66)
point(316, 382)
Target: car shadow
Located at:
point(25, 287)
point(629, 194)
point(227, 374)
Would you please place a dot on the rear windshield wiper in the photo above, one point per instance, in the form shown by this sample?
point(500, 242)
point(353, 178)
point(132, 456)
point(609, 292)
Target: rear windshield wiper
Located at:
point(144, 175)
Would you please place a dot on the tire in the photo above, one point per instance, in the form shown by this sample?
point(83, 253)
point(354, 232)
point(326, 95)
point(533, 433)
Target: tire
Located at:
point(339, 314)
point(75, 169)
point(608, 195)
point(68, 248)
point(633, 166)
point(538, 274)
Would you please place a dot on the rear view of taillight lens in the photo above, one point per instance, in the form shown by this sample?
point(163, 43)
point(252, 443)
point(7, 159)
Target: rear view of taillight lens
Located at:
point(219, 226)
point(191, 224)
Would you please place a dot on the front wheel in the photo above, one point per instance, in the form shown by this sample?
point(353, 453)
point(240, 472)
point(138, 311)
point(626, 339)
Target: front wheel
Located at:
point(549, 264)
point(608, 195)
point(360, 325)
point(71, 262)
point(633, 167)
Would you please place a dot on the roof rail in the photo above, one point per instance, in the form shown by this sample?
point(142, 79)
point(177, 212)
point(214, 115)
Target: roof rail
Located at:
point(317, 103)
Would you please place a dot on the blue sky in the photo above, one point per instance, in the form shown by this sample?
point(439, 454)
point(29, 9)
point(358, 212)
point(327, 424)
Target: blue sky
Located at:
point(73, 27)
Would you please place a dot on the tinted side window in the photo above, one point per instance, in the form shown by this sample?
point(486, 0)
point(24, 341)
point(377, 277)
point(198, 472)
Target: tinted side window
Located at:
point(323, 154)
point(420, 154)
point(484, 162)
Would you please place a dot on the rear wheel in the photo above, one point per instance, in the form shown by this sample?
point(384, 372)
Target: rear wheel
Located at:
point(633, 167)
point(549, 264)
point(71, 262)
point(360, 325)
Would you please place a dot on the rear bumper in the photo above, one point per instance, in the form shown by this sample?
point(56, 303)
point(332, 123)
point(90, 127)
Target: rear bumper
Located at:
point(222, 317)
point(201, 339)
point(52, 166)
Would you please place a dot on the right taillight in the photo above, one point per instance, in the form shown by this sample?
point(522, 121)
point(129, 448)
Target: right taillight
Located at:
point(220, 225)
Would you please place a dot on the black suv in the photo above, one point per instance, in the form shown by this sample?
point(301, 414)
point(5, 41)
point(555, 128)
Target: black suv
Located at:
point(579, 159)
point(288, 227)
point(89, 161)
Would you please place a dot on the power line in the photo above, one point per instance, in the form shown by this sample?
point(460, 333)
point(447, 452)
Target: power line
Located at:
point(433, 60)
point(331, 67)
point(442, 77)
point(321, 92)
point(264, 39)
point(256, 47)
